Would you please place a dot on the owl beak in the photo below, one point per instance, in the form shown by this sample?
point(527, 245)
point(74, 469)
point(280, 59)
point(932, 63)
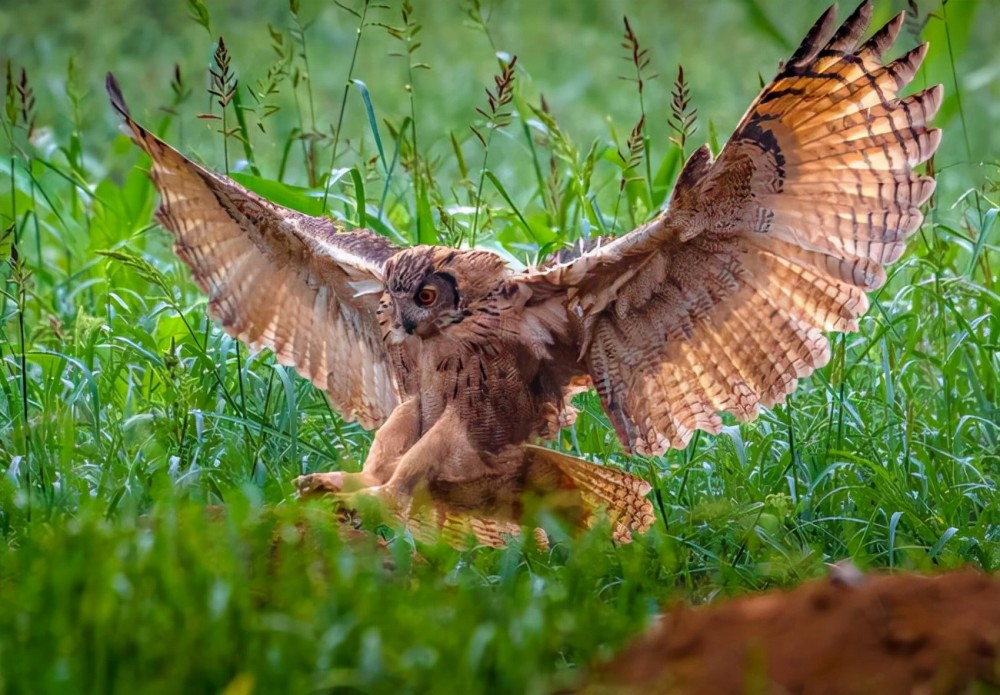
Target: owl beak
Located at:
point(405, 320)
point(403, 326)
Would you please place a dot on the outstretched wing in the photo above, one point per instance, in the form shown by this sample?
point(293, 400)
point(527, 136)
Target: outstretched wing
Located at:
point(718, 305)
point(279, 279)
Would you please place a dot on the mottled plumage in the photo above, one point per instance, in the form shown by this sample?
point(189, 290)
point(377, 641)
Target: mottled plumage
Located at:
point(715, 306)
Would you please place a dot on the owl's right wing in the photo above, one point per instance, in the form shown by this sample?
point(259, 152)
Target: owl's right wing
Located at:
point(718, 305)
point(282, 280)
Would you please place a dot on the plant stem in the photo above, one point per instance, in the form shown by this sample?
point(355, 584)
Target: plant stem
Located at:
point(343, 99)
point(479, 190)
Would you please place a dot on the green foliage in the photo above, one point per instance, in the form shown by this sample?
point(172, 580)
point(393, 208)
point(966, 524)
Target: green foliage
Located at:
point(151, 542)
point(184, 599)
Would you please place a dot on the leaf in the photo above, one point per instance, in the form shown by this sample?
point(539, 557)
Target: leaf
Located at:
point(242, 684)
point(506, 196)
point(6, 243)
point(665, 176)
point(241, 119)
point(359, 195)
point(463, 170)
point(893, 523)
point(762, 23)
point(713, 139)
point(372, 123)
point(939, 545)
point(199, 13)
point(141, 267)
point(989, 221)
point(295, 197)
point(426, 229)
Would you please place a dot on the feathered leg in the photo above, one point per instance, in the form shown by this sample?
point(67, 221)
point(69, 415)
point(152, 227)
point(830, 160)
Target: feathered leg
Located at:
point(400, 432)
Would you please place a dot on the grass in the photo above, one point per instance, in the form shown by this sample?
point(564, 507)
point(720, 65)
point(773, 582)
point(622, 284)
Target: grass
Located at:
point(150, 541)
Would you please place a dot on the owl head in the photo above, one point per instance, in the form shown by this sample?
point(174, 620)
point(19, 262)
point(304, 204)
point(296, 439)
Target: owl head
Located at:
point(433, 290)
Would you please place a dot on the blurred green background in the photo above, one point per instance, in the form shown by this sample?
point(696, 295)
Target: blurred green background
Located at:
point(568, 51)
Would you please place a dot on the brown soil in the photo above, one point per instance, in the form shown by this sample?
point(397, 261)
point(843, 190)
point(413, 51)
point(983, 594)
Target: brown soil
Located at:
point(845, 634)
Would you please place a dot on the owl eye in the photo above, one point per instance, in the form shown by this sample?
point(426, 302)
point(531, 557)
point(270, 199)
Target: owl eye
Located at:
point(427, 295)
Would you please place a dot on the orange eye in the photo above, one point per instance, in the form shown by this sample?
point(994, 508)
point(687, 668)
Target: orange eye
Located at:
point(427, 295)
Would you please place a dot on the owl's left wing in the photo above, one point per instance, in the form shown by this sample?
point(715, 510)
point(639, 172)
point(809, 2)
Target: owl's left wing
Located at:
point(718, 304)
point(279, 279)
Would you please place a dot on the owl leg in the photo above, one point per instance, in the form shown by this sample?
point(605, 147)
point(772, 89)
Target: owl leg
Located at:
point(391, 441)
point(445, 446)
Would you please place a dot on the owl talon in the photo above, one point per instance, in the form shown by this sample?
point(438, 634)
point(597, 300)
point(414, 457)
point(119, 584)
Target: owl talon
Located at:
point(316, 484)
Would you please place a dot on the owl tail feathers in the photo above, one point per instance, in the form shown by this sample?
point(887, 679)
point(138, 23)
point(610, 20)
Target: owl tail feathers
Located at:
point(597, 490)
point(430, 524)
point(577, 492)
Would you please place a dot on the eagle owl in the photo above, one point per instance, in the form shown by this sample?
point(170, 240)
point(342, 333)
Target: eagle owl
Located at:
point(717, 305)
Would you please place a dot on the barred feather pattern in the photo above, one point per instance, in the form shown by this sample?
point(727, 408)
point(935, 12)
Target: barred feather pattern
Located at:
point(719, 304)
point(461, 530)
point(603, 491)
point(279, 279)
point(578, 491)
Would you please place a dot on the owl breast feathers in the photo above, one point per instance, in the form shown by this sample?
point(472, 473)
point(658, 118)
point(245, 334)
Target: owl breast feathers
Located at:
point(717, 305)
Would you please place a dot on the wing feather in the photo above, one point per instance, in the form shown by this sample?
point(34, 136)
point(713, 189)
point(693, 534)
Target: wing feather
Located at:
point(279, 279)
point(718, 305)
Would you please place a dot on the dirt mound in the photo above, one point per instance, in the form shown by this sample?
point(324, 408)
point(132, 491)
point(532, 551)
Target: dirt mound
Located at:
point(846, 634)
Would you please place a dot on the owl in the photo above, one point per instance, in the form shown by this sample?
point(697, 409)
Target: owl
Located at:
point(465, 366)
